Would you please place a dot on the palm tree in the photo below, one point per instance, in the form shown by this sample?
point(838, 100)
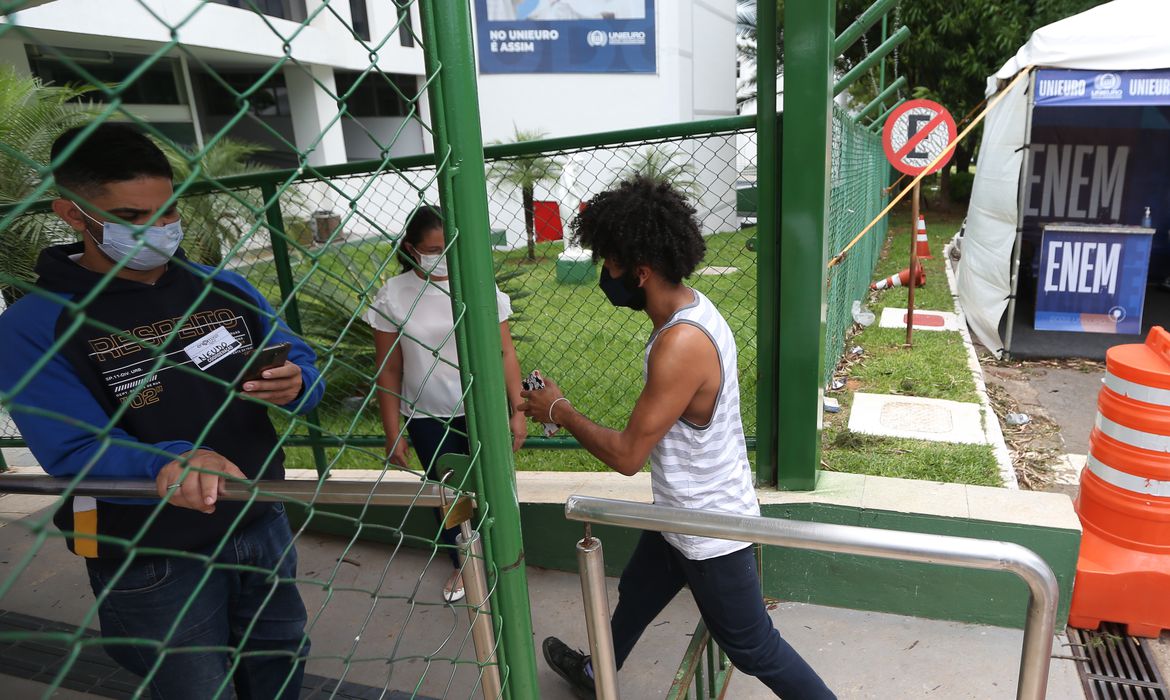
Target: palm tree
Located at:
point(746, 38)
point(662, 165)
point(215, 221)
point(525, 173)
point(32, 115)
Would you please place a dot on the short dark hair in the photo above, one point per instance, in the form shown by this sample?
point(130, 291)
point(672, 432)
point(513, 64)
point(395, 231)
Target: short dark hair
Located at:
point(643, 221)
point(110, 153)
point(424, 220)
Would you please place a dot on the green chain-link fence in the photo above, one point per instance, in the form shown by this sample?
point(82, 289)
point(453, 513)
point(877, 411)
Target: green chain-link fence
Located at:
point(97, 379)
point(317, 243)
point(859, 176)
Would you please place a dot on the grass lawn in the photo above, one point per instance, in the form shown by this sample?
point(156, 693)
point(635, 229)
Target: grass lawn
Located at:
point(568, 331)
point(936, 367)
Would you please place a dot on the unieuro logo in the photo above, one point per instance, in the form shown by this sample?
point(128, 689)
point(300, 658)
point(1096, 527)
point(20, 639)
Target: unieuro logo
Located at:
point(1107, 86)
point(597, 38)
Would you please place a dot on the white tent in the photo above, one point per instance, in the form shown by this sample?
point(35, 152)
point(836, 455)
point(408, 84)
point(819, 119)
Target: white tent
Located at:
point(1120, 35)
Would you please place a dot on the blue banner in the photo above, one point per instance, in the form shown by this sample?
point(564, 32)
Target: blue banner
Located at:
point(1092, 279)
point(566, 36)
point(1090, 88)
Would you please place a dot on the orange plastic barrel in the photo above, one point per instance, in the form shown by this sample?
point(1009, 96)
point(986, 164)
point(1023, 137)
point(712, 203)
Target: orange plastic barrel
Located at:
point(1123, 572)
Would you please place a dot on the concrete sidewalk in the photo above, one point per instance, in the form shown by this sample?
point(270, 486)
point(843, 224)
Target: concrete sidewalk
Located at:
point(369, 602)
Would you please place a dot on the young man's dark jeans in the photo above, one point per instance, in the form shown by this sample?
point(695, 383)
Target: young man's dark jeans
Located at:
point(235, 604)
point(727, 591)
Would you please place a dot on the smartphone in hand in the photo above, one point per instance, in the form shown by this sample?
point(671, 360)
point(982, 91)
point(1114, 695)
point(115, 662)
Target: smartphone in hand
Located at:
point(268, 358)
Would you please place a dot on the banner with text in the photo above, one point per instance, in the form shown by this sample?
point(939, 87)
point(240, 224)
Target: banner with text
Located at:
point(1090, 88)
point(1098, 165)
point(1092, 279)
point(565, 36)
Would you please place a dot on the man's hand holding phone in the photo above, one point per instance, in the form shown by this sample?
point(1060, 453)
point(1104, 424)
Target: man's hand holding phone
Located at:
point(273, 378)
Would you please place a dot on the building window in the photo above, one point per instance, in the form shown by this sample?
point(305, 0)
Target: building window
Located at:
point(159, 85)
point(270, 100)
point(375, 95)
point(360, 19)
point(405, 25)
point(292, 10)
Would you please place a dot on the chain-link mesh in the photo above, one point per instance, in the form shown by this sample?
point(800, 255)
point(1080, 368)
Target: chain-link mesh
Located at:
point(114, 373)
point(858, 180)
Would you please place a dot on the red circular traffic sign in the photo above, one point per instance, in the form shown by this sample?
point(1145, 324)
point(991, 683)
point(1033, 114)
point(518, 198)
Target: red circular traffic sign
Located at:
point(916, 133)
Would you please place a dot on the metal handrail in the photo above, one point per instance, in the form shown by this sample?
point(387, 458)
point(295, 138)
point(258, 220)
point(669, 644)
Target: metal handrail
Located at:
point(328, 492)
point(964, 552)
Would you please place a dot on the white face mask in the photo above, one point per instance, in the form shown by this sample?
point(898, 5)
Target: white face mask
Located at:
point(433, 265)
point(144, 249)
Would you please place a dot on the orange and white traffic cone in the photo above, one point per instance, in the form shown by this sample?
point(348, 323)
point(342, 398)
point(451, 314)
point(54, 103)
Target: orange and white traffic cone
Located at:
point(920, 238)
point(902, 279)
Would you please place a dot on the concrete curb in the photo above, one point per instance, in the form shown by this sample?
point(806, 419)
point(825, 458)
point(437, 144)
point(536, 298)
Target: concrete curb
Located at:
point(991, 426)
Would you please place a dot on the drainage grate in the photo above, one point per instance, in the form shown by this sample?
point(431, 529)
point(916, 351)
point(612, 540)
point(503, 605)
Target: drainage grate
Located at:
point(1114, 666)
point(94, 673)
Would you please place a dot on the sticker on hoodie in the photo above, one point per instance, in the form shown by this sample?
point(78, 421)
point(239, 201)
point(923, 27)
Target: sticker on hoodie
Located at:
point(212, 348)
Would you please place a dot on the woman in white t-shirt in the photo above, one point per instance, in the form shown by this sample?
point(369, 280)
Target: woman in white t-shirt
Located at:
point(419, 380)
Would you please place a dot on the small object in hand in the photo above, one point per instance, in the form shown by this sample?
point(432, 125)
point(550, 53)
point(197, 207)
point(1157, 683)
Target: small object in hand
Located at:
point(269, 358)
point(531, 383)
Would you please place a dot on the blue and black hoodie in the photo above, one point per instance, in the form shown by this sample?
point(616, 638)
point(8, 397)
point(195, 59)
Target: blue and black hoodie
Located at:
point(106, 373)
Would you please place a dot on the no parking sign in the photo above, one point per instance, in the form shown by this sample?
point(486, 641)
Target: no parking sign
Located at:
point(916, 133)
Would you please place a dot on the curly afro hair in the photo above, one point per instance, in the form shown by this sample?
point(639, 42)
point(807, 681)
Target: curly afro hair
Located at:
point(642, 221)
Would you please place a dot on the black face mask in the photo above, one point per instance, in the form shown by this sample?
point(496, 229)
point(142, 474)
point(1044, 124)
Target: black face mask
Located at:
point(623, 291)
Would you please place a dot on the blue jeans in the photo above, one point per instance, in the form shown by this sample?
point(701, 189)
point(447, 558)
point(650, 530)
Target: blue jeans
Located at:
point(430, 438)
point(241, 617)
point(727, 591)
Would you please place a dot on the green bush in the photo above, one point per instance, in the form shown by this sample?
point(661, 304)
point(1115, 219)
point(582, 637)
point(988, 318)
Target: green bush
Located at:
point(961, 184)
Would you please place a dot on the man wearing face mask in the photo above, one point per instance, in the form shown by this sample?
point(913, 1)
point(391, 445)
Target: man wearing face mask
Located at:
point(148, 384)
point(686, 423)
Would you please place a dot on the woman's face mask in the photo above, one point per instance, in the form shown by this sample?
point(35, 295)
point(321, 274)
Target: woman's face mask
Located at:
point(433, 265)
point(143, 249)
point(623, 291)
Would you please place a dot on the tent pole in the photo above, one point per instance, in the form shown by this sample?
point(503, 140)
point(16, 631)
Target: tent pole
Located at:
point(1025, 168)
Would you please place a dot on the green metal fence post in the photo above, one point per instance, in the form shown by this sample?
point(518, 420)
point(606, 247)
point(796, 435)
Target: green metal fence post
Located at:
point(288, 295)
point(808, 84)
point(866, 64)
point(463, 190)
point(767, 237)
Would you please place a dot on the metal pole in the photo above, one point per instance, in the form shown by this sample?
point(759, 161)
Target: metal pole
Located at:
point(885, 95)
point(880, 121)
point(964, 552)
point(450, 58)
point(479, 610)
point(591, 562)
point(331, 491)
point(862, 24)
point(879, 54)
point(804, 237)
point(767, 246)
point(914, 202)
point(292, 312)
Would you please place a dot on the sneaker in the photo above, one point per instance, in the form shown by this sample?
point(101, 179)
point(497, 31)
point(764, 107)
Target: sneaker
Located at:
point(570, 665)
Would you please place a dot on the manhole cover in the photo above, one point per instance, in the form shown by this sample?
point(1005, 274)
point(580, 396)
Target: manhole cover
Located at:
point(920, 417)
point(1113, 666)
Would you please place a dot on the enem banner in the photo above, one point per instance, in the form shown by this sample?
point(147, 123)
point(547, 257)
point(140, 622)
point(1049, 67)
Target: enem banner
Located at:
point(566, 36)
point(1092, 278)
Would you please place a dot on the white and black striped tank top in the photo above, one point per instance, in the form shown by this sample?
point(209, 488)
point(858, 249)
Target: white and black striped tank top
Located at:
point(705, 467)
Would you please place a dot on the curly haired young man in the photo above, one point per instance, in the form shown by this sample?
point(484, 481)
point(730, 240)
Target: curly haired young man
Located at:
point(687, 423)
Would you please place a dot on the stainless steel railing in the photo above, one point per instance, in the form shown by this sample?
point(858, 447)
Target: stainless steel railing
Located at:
point(990, 555)
point(328, 492)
